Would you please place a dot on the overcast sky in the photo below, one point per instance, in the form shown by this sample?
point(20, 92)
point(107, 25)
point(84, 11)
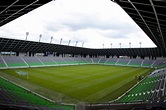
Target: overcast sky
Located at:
point(94, 22)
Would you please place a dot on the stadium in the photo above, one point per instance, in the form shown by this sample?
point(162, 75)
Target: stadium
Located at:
point(46, 76)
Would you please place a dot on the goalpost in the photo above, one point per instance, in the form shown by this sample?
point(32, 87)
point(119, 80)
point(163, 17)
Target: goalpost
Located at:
point(21, 73)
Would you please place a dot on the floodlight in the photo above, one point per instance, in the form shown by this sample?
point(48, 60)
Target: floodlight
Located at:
point(60, 41)
point(140, 44)
point(120, 45)
point(40, 37)
point(69, 42)
point(27, 33)
point(82, 44)
point(51, 39)
point(129, 44)
point(76, 43)
point(111, 45)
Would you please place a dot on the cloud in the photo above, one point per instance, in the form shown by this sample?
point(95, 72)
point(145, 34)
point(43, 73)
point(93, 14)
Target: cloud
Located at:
point(94, 22)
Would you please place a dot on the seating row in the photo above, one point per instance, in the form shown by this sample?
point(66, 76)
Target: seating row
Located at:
point(14, 62)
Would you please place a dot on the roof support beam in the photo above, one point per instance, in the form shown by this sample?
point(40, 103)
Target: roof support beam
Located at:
point(142, 11)
point(9, 7)
point(158, 23)
point(19, 11)
point(144, 22)
point(146, 17)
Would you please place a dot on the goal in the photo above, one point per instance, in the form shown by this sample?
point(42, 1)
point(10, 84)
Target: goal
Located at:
point(21, 73)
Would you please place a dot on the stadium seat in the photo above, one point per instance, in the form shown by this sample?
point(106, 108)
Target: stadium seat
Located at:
point(151, 88)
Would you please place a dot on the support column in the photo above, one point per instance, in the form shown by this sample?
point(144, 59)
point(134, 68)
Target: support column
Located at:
point(29, 54)
point(17, 53)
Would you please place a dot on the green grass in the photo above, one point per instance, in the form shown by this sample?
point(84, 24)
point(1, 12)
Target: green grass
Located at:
point(83, 83)
point(16, 64)
point(2, 65)
point(34, 63)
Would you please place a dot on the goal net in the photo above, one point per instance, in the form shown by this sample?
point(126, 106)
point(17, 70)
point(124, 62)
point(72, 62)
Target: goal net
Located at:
point(21, 73)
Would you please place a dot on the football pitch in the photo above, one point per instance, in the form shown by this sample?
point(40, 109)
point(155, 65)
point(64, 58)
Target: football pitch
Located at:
point(82, 83)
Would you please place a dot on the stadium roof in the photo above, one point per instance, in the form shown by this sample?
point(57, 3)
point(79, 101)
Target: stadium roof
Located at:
point(150, 16)
point(14, 45)
point(12, 9)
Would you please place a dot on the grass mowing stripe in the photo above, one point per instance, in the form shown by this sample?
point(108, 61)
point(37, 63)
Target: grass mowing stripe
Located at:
point(84, 88)
point(101, 73)
point(40, 78)
point(104, 78)
point(54, 95)
point(80, 82)
point(105, 91)
point(92, 78)
point(103, 84)
point(114, 86)
point(126, 86)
